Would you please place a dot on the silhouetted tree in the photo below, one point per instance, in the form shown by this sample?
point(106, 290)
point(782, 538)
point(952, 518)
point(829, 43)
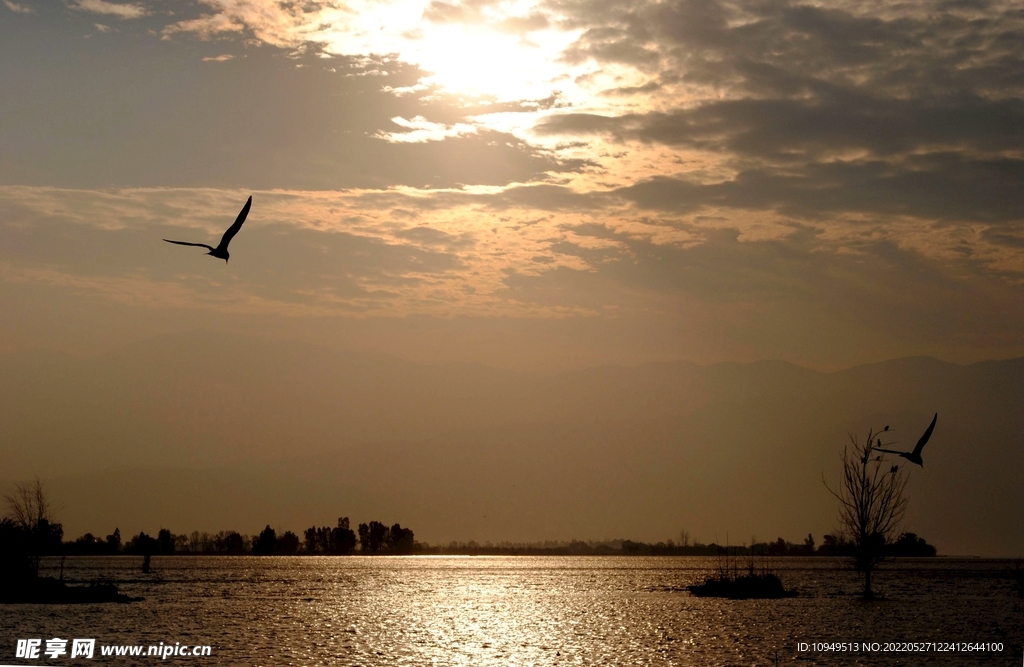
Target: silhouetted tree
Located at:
point(287, 544)
point(834, 545)
point(265, 543)
point(114, 541)
point(400, 540)
point(230, 542)
point(338, 540)
point(805, 549)
point(165, 541)
point(871, 505)
point(31, 532)
point(142, 545)
point(778, 548)
point(201, 542)
point(85, 545)
point(16, 563)
point(574, 547)
point(343, 539)
point(910, 545)
point(373, 536)
point(316, 540)
point(630, 547)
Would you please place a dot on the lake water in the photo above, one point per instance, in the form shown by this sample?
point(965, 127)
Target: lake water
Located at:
point(524, 611)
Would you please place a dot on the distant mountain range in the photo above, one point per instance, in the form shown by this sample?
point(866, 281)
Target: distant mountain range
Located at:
point(209, 431)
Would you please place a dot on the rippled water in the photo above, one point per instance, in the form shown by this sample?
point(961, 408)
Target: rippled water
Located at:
point(525, 611)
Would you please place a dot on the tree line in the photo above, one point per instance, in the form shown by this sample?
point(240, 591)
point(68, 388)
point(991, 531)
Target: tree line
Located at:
point(377, 538)
point(368, 538)
point(906, 545)
point(29, 531)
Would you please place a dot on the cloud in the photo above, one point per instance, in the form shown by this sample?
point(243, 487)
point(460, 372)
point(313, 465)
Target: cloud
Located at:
point(485, 12)
point(797, 130)
point(430, 237)
point(527, 253)
point(323, 253)
point(277, 23)
point(468, 11)
point(218, 59)
point(936, 186)
point(419, 130)
point(205, 27)
point(482, 49)
point(789, 47)
point(265, 126)
point(880, 290)
point(18, 9)
point(122, 10)
point(828, 113)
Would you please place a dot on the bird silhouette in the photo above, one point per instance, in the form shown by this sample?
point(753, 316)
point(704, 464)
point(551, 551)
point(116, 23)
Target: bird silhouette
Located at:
point(915, 456)
point(221, 251)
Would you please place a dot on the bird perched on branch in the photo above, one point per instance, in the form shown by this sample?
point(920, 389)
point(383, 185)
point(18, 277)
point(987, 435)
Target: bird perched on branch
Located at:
point(915, 456)
point(221, 251)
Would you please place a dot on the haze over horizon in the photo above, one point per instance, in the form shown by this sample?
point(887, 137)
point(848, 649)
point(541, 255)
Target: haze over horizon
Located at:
point(538, 186)
point(207, 431)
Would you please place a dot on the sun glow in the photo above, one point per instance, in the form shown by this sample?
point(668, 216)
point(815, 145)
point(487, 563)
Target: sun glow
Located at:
point(504, 52)
point(470, 61)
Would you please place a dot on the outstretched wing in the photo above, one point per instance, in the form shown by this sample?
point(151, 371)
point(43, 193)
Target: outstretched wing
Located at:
point(889, 451)
point(201, 245)
point(927, 434)
point(233, 229)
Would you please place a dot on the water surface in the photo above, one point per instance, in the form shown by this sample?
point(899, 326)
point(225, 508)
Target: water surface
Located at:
point(525, 611)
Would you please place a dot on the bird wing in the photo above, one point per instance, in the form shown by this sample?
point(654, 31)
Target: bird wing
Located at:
point(927, 434)
point(889, 451)
point(201, 245)
point(233, 229)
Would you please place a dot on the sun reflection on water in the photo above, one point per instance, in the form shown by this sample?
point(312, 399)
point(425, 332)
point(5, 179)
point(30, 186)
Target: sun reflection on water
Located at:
point(501, 611)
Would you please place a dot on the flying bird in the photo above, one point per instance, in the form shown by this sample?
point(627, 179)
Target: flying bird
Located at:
point(221, 251)
point(915, 456)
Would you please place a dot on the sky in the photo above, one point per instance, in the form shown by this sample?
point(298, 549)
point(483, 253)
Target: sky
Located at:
point(530, 184)
point(542, 187)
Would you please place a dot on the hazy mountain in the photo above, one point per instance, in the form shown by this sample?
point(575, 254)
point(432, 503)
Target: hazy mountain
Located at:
point(208, 431)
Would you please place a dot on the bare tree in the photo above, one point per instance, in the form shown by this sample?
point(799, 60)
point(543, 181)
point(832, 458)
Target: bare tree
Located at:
point(871, 505)
point(28, 506)
point(30, 512)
